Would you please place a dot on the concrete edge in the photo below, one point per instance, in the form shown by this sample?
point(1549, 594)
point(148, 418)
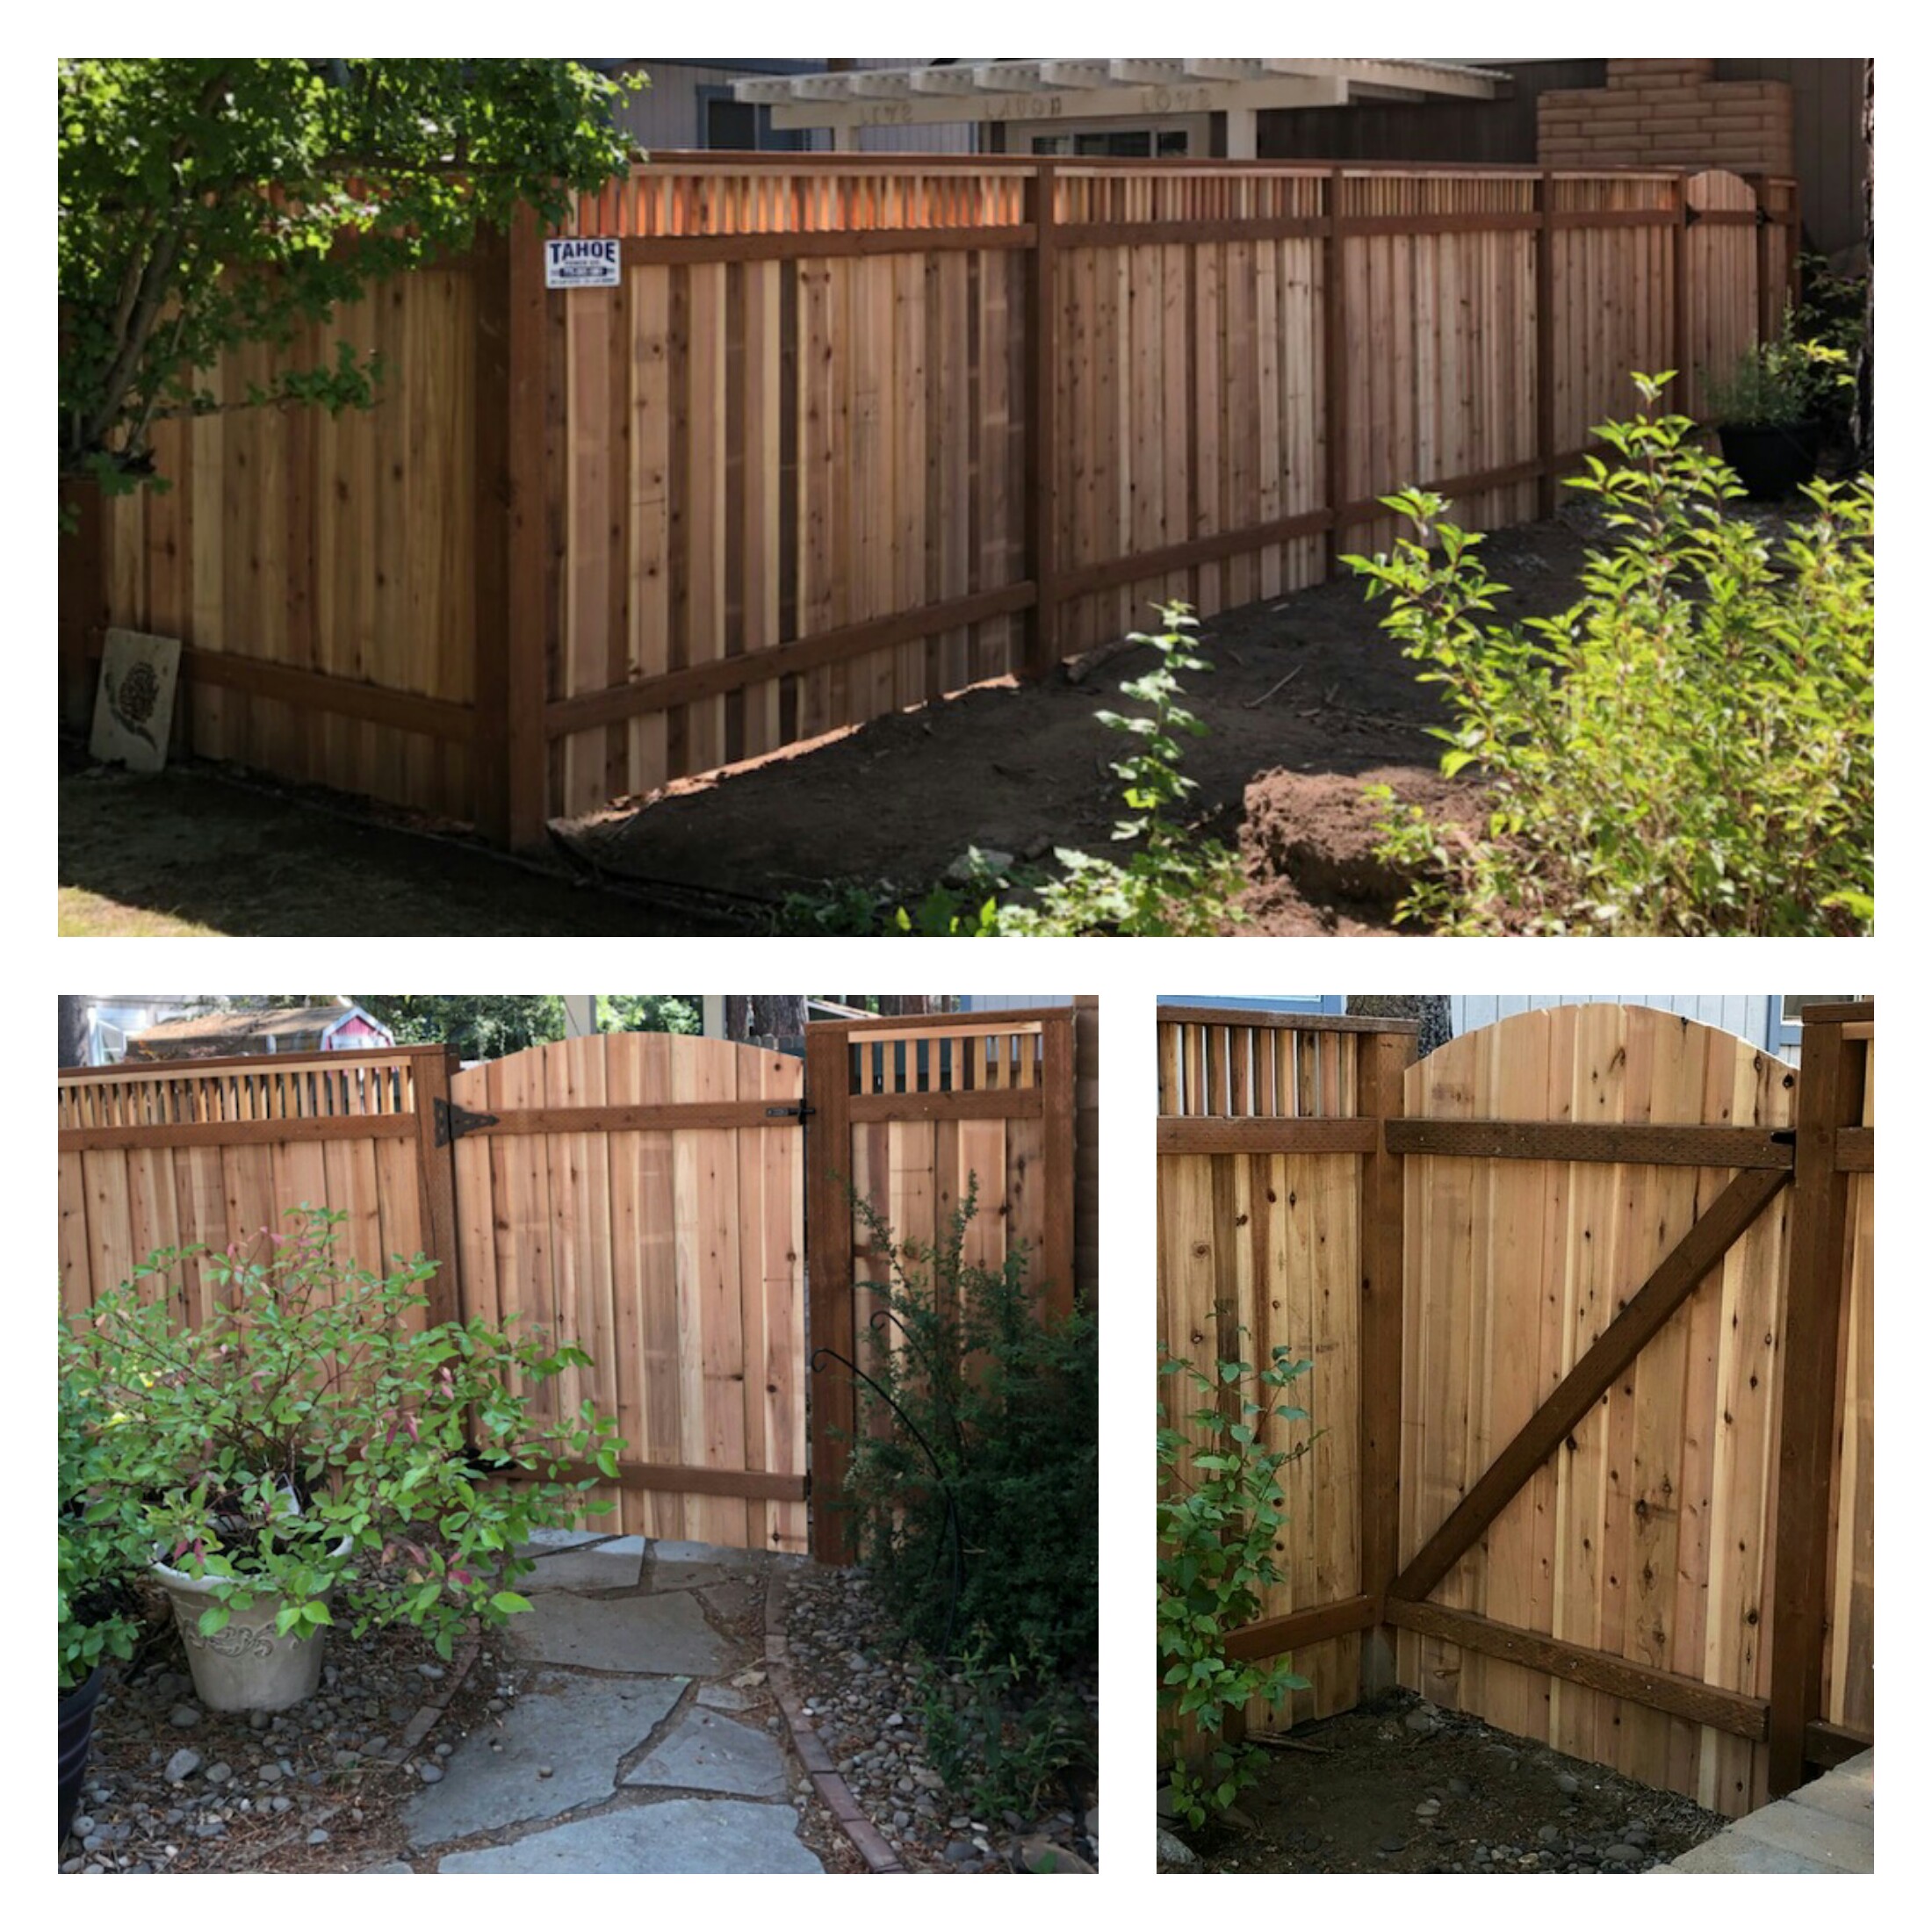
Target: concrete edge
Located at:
point(809, 1747)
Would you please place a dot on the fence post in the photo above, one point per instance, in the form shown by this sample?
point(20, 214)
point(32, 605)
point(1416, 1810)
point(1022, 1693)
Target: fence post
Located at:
point(1830, 1095)
point(1379, 1096)
point(1043, 644)
point(80, 613)
point(510, 764)
point(1545, 346)
point(828, 1282)
point(1680, 298)
point(1334, 368)
point(436, 1174)
point(1057, 1158)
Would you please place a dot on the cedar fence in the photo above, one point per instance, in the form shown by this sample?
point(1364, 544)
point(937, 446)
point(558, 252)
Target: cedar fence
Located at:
point(856, 431)
point(1587, 1296)
point(642, 1194)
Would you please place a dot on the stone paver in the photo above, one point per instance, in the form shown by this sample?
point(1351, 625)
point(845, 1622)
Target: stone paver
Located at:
point(615, 1564)
point(1824, 1826)
point(685, 1834)
point(710, 1753)
point(579, 1728)
point(663, 1635)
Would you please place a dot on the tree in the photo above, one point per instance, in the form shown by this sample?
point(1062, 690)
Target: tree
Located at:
point(206, 204)
point(488, 1025)
point(73, 1029)
point(1431, 1009)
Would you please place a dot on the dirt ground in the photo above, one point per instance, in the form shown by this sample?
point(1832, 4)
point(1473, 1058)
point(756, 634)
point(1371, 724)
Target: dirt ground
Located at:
point(1308, 700)
point(1023, 768)
point(1403, 1787)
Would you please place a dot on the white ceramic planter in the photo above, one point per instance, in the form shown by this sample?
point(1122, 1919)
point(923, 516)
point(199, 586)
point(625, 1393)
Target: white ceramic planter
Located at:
point(246, 1665)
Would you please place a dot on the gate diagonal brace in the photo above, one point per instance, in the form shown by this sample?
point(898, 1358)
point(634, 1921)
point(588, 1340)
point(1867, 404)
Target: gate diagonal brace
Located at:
point(454, 1121)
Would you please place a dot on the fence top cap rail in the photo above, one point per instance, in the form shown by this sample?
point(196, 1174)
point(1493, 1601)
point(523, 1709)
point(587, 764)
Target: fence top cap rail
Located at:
point(1291, 1022)
point(311, 1062)
point(1000, 1019)
point(1846, 1012)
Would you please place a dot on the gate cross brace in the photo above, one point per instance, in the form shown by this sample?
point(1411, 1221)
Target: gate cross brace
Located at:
point(1671, 1284)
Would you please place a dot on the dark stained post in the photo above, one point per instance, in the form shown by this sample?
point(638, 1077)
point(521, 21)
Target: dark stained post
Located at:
point(1057, 1156)
point(1335, 367)
point(512, 565)
point(1043, 644)
point(1379, 1066)
point(1830, 1095)
point(1546, 345)
point(82, 599)
point(435, 1172)
point(828, 1282)
point(1680, 298)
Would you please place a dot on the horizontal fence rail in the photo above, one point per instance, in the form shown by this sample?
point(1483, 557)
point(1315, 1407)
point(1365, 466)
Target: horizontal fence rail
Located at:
point(853, 432)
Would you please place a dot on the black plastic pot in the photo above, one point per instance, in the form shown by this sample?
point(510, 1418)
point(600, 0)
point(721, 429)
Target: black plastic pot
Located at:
point(1771, 461)
point(77, 1734)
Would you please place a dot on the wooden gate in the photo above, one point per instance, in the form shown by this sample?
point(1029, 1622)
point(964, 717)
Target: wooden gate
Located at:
point(1631, 1363)
point(643, 1193)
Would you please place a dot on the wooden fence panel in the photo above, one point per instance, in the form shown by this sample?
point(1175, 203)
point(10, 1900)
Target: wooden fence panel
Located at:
point(1260, 1245)
point(215, 1152)
point(642, 1196)
point(319, 570)
point(853, 434)
point(907, 1116)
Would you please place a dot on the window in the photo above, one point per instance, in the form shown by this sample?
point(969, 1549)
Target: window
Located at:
point(1127, 144)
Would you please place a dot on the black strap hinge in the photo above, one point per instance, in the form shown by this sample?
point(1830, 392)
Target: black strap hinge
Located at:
point(454, 1121)
point(804, 1111)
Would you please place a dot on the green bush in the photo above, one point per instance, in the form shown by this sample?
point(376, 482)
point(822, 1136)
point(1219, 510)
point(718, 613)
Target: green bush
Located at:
point(989, 1413)
point(313, 1435)
point(1218, 1510)
point(1687, 750)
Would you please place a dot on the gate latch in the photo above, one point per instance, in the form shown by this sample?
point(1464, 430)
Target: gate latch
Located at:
point(454, 1121)
point(802, 1111)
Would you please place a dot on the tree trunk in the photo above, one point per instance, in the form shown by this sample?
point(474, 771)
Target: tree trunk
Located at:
point(756, 1016)
point(1431, 1009)
point(73, 1029)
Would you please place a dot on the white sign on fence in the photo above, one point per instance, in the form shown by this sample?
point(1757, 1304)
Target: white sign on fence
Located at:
point(583, 262)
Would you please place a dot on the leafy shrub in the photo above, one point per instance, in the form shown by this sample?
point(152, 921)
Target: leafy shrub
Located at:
point(1001, 1730)
point(1688, 749)
point(1219, 1512)
point(988, 1409)
point(313, 1410)
point(101, 1542)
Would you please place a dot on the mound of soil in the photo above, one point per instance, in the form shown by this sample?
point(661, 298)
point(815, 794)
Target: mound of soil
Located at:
point(1401, 1787)
point(1307, 845)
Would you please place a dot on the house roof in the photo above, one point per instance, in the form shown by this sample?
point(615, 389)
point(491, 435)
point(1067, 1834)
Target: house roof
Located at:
point(957, 90)
point(234, 1032)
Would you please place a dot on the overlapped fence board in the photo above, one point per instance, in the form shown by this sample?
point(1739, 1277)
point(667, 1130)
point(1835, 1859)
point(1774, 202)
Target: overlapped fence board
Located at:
point(671, 1254)
point(1646, 1536)
point(799, 469)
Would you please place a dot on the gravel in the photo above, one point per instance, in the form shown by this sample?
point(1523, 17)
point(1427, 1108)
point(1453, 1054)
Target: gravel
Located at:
point(862, 1699)
point(307, 1788)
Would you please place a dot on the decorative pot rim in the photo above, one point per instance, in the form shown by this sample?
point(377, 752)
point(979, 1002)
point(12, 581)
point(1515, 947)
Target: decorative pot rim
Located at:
point(245, 1589)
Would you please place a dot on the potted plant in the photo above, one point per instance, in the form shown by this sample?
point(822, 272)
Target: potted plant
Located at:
point(1768, 410)
point(100, 1547)
point(315, 1452)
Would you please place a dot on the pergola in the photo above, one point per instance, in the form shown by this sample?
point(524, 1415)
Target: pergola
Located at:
point(1046, 90)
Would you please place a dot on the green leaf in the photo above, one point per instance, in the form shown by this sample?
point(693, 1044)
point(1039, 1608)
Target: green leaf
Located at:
point(508, 1603)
